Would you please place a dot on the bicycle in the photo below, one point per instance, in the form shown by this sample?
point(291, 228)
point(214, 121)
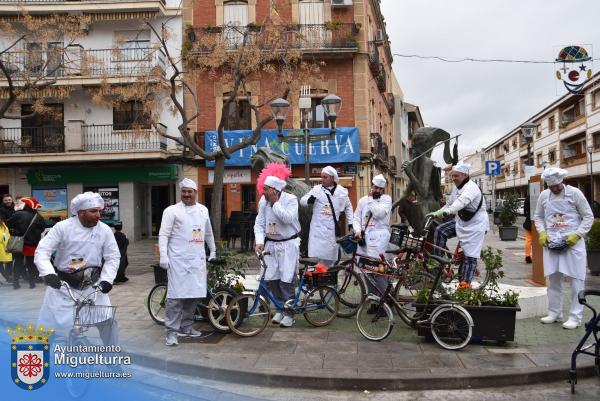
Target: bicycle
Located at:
point(317, 301)
point(211, 309)
point(450, 324)
point(592, 328)
point(85, 315)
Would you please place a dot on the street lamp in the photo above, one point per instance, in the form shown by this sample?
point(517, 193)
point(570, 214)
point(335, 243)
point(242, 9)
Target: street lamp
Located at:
point(528, 131)
point(590, 150)
point(331, 107)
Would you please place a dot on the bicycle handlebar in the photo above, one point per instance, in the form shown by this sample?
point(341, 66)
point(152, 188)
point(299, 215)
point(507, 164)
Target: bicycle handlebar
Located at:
point(96, 287)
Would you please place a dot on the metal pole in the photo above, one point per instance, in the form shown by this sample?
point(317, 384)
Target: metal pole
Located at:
point(306, 154)
point(591, 181)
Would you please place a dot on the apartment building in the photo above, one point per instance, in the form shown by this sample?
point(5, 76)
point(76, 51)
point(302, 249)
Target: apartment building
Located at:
point(82, 144)
point(567, 135)
point(349, 38)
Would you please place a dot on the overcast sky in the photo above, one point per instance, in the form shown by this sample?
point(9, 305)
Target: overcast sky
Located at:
point(484, 101)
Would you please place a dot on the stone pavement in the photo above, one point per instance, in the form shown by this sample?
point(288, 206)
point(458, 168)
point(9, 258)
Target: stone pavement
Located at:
point(336, 356)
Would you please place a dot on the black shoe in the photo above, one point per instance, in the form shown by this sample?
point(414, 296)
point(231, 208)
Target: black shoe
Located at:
point(528, 259)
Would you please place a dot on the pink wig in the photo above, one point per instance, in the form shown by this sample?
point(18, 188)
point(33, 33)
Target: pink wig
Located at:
point(278, 170)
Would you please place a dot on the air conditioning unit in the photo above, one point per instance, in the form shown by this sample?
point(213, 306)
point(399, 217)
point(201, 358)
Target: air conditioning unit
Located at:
point(341, 3)
point(379, 36)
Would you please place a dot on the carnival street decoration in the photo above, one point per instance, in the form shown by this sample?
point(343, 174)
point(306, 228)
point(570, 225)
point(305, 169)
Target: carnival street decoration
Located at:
point(576, 68)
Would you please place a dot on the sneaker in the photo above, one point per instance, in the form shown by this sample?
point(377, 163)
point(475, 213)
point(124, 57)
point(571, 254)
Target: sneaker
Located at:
point(191, 332)
point(171, 339)
point(571, 324)
point(528, 259)
point(550, 319)
point(277, 318)
point(287, 321)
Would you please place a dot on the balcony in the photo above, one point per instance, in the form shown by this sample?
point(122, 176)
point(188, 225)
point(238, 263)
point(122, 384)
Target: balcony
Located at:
point(309, 38)
point(123, 9)
point(389, 102)
point(49, 139)
point(374, 63)
point(98, 138)
point(74, 61)
point(381, 80)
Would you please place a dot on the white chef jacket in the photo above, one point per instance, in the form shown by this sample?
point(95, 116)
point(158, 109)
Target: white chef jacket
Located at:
point(377, 234)
point(74, 246)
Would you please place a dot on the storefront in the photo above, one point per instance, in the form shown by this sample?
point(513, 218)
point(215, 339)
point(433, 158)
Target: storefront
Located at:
point(135, 195)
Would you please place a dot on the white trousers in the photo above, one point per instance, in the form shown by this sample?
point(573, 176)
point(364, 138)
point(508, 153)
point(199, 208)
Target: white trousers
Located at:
point(555, 297)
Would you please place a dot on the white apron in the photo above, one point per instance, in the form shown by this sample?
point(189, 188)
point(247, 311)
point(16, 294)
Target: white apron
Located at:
point(471, 234)
point(377, 236)
point(187, 257)
point(281, 263)
point(561, 218)
point(322, 237)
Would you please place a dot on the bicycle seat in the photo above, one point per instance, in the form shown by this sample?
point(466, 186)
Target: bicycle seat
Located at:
point(440, 260)
point(308, 261)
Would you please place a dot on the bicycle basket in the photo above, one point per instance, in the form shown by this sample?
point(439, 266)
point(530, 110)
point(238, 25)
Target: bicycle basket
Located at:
point(398, 234)
point(91, 315)
point(328, 279)
point(348, 243)
point(413, 244)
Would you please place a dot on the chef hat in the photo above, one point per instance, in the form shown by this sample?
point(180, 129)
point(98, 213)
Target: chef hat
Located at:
point(187, 183)
point(31, 202)
point(462, 167)
point(379, 181)
point(275, 183)
point(554, 175)
point(332, 172)
point(86, 200)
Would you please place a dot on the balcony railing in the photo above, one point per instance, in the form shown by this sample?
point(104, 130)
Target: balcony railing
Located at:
point(50, 139)
point(106, 137)
point(374, 63)
point(76, 61)
point(306, 37)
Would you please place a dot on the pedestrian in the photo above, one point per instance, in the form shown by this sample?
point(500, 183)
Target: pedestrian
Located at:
point(329, 200)
point(371, 225)
point(276, 230)
point(122, 243)
point(562, 218)
point(184, 230)
point(29, 224)
point(470, 224)
point(70, 246)
point(527, 229)
point(6, 258)
point(7, 208)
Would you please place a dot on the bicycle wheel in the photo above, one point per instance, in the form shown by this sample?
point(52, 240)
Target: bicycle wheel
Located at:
point(374, 319)
point(351, 290)
point(78, 382)
point(217, 307)
point(321, 306)
point(451, 326)
point(157, 301)
point(255, 314)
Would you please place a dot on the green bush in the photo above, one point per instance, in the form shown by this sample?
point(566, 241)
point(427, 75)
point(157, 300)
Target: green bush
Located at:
point(509, 214)
point(229, 273)
point(592, 240)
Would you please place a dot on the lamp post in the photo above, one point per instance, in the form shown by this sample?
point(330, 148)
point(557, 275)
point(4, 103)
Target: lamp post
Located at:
point(528, 131)
point(280, 108)
point(590, 150)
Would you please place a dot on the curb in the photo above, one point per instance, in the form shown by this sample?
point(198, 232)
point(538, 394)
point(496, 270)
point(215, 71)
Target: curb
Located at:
point(408, 382)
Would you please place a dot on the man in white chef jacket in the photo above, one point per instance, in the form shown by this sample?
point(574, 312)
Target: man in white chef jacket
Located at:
point(184, 230)
point(329, 200)
point(562, 218)
point(80, 241)
point(276, 230)
point(371, 222)
point(471, 223)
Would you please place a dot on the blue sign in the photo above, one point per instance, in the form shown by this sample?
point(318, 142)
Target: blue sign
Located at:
point(492, 167)
point(344, 148)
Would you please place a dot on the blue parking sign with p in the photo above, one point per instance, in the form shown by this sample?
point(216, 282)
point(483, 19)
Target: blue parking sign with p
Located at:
point(492, 167)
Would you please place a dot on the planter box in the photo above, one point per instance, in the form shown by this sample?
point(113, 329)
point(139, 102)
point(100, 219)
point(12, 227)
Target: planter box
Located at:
point(491, 323)
point(593, 261)
point(508, 233)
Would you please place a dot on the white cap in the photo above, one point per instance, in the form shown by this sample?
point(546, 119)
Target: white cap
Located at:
point(462, 167)
point(86, 200)
point(554, 175)
point(379, 181)
point(187, 183)
point(276, 183)
point(329, 170)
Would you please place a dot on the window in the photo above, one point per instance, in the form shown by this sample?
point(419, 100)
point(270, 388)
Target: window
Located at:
point(573, 112)
point(538, 159)
point(235, 18)
point(551, 123)
point(317, 117)
point(239, 115)
point(538, 131)
point(596, 99)
point(596, 139)
point(130, 115)
point(552, 156)
point(514, 143)
point(574, 150)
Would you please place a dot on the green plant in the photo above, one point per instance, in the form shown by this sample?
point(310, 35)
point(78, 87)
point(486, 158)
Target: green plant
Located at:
point(333, 25)
point(509, 214)
point(592, 240)
point(229, 273)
